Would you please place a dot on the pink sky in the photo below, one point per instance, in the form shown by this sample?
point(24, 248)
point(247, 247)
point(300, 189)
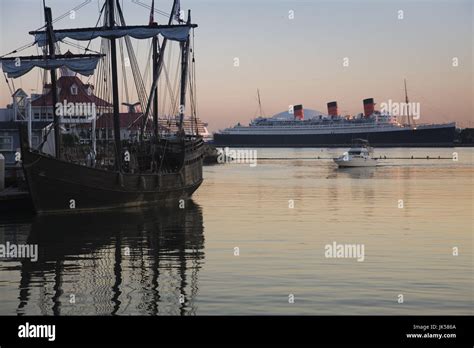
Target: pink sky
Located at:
point(300, 60)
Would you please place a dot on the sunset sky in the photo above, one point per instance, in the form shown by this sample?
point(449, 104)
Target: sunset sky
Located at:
point(299, 60)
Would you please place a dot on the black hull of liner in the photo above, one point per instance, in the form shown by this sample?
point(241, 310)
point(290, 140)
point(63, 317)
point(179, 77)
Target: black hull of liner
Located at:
point(438, 137)
point(56, 186)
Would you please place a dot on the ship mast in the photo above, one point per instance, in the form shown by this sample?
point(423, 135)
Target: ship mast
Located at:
point(160, 62)
point(259, 102)
point(406, 101)
point(184, 72)
point(111, 31)
point(155, 73)
point(115, 93)
point(54, 91)
point(158, 55)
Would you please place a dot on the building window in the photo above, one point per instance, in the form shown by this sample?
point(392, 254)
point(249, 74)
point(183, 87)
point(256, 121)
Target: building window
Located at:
point(6, 143)
point(74, 90)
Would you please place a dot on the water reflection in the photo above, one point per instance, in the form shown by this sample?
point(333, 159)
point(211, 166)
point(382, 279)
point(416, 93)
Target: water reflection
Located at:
point(355, 172)
point(122, 262)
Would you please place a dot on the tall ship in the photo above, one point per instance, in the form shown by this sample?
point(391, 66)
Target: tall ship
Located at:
point(299, 127)
point(155, 166)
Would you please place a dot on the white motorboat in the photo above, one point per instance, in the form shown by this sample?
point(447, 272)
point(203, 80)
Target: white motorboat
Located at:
point(359, 155)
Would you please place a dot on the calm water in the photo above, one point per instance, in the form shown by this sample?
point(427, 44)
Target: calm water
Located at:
point(140, 261)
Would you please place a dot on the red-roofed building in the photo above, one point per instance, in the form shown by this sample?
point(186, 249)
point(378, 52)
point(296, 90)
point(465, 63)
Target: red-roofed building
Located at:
point(73, 93)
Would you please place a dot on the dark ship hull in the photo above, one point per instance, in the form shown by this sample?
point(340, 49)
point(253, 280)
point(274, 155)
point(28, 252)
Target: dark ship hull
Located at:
point(421, 137)
point(58, 186)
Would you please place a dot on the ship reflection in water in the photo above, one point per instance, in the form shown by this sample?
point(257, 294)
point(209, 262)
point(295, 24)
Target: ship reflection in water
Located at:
point(354, 173)
point(143, 262)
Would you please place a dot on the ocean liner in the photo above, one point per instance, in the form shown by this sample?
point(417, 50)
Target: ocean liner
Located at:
point(292, 129)
point(154, 168)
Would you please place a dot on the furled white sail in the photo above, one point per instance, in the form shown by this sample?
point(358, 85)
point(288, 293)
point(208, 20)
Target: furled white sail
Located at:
point(17, 67)
point(174, 33)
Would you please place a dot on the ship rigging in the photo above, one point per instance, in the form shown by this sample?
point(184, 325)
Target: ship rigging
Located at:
point(156, 167)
